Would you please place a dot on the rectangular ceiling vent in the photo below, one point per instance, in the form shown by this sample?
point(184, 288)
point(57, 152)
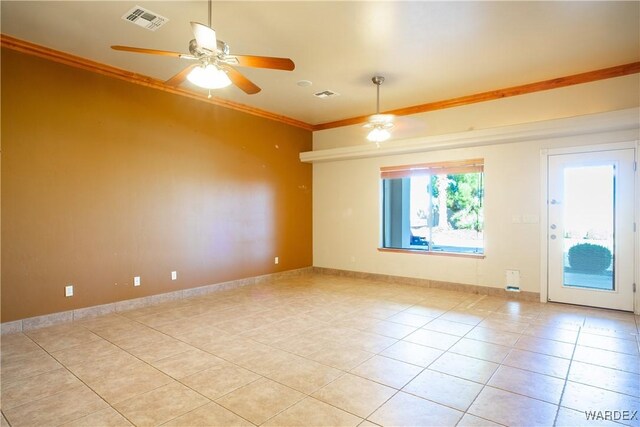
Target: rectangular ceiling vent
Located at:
point(145, 18)
point(326, 94)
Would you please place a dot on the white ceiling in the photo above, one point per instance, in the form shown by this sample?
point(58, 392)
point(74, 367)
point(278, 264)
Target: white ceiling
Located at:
point(427, 51)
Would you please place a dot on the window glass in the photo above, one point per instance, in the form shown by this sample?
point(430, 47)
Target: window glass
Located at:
point(434, 212)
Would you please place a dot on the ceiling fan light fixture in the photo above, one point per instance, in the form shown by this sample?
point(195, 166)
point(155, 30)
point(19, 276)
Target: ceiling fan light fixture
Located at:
point(380, 124)
point(209, 77)
point(378, 134)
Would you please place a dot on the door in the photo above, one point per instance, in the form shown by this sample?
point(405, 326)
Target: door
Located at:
point(591, 228)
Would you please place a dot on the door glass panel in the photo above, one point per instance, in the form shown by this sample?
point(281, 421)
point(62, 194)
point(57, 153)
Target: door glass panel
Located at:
point(589, 215)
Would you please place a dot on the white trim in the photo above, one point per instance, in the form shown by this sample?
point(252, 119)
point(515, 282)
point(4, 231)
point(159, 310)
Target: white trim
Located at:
point(544, 222)
point(579, 125)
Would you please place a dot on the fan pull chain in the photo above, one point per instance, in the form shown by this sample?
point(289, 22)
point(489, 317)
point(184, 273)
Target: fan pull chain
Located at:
point(209, 97)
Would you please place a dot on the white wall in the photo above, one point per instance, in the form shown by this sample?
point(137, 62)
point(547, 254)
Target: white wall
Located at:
point(347, 219)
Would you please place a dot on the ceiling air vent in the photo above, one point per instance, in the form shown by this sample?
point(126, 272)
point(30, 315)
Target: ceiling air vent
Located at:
point(145, 18)
point(326, 94)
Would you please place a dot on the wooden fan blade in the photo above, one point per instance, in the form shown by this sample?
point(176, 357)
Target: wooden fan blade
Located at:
point(181, 76)
point(205, 36)
point(149, 51)
point(264, 62)
point(241, 81)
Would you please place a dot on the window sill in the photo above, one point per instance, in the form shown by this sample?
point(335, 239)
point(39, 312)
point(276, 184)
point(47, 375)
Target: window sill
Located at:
point(438, 253)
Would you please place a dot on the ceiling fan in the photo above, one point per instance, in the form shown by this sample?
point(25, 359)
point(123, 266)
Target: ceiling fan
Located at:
point(214, 65)
point(380, 124)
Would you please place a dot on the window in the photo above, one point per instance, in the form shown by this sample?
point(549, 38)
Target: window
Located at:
point(436, 207)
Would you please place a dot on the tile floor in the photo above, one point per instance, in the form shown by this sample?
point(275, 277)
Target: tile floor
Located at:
point(327, 351)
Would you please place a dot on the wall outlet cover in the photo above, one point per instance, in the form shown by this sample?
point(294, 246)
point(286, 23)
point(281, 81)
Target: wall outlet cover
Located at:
point(136, 281)
point(68, 291)
point(174, 275)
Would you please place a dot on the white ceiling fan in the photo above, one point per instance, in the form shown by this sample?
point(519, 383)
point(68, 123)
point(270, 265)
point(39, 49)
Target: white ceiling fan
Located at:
point(214, 65)
point(380, 124)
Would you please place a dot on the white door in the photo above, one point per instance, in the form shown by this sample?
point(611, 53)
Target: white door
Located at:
point(591, 231)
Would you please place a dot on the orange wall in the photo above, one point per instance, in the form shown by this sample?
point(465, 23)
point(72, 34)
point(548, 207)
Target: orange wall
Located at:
point(103, 180)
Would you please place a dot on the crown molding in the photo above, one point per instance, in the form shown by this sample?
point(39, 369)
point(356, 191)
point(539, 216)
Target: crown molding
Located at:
point(33, 49)
point(619, 120)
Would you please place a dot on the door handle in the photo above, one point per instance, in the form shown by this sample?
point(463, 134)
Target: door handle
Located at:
point(553, 226)
point(554, 202)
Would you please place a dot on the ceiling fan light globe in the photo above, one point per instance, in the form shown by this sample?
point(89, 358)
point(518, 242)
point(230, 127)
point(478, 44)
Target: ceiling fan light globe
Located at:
point(209, 77)
point(378, 134)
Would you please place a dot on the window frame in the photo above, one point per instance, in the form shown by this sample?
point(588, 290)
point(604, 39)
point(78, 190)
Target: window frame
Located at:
point(438, 168)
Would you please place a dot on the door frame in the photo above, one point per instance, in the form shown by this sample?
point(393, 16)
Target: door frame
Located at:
point(544, 214)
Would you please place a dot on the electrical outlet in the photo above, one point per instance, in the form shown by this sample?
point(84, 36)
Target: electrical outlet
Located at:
point(174, 275)
point(136, 281)
point(276, 260)
point(68, 291)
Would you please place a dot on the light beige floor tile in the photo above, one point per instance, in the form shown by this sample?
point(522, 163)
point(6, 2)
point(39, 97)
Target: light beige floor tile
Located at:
point(448, 327)
point(344, 358)
point(187, 363)
point(311, 412)
point(472, 421)
point(608, 359)
point(468, 317)
point(108, 366)
point(415, 354)
point(165, 347)
point(56, 409)
point(160, 405)
point(391, 329)
point(481, 350)
point(465, 367)
point(582, 397)
point(372, 343)
point(432, 339)
point(82, 353)
point(19, 392)
point(61, 340)
point(504, 324)
point(260, 400)
point(208, 415)
point(407, 410)
point(551, 333)
point(26, 365)
point(130, 383)
point(493, 336)
point(607, 378)
point(105, 418)
point(367, 423)
point(387, 371)
point(219, 380)
point(512, 409)
point(444, 389)
point(538, 386)
point(570, 418)
point(410, 319)
point(609, 343)
point(263, 359)
point(537, 362)
point(354, 394)
point(304, 375)
point(545, 346)
point(16, 344)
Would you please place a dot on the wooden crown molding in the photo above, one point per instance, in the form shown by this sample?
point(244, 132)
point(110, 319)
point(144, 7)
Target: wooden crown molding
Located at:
point(107, 70)
point(590, 76)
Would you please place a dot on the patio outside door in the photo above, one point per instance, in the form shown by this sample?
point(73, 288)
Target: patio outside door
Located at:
point(590, 232)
